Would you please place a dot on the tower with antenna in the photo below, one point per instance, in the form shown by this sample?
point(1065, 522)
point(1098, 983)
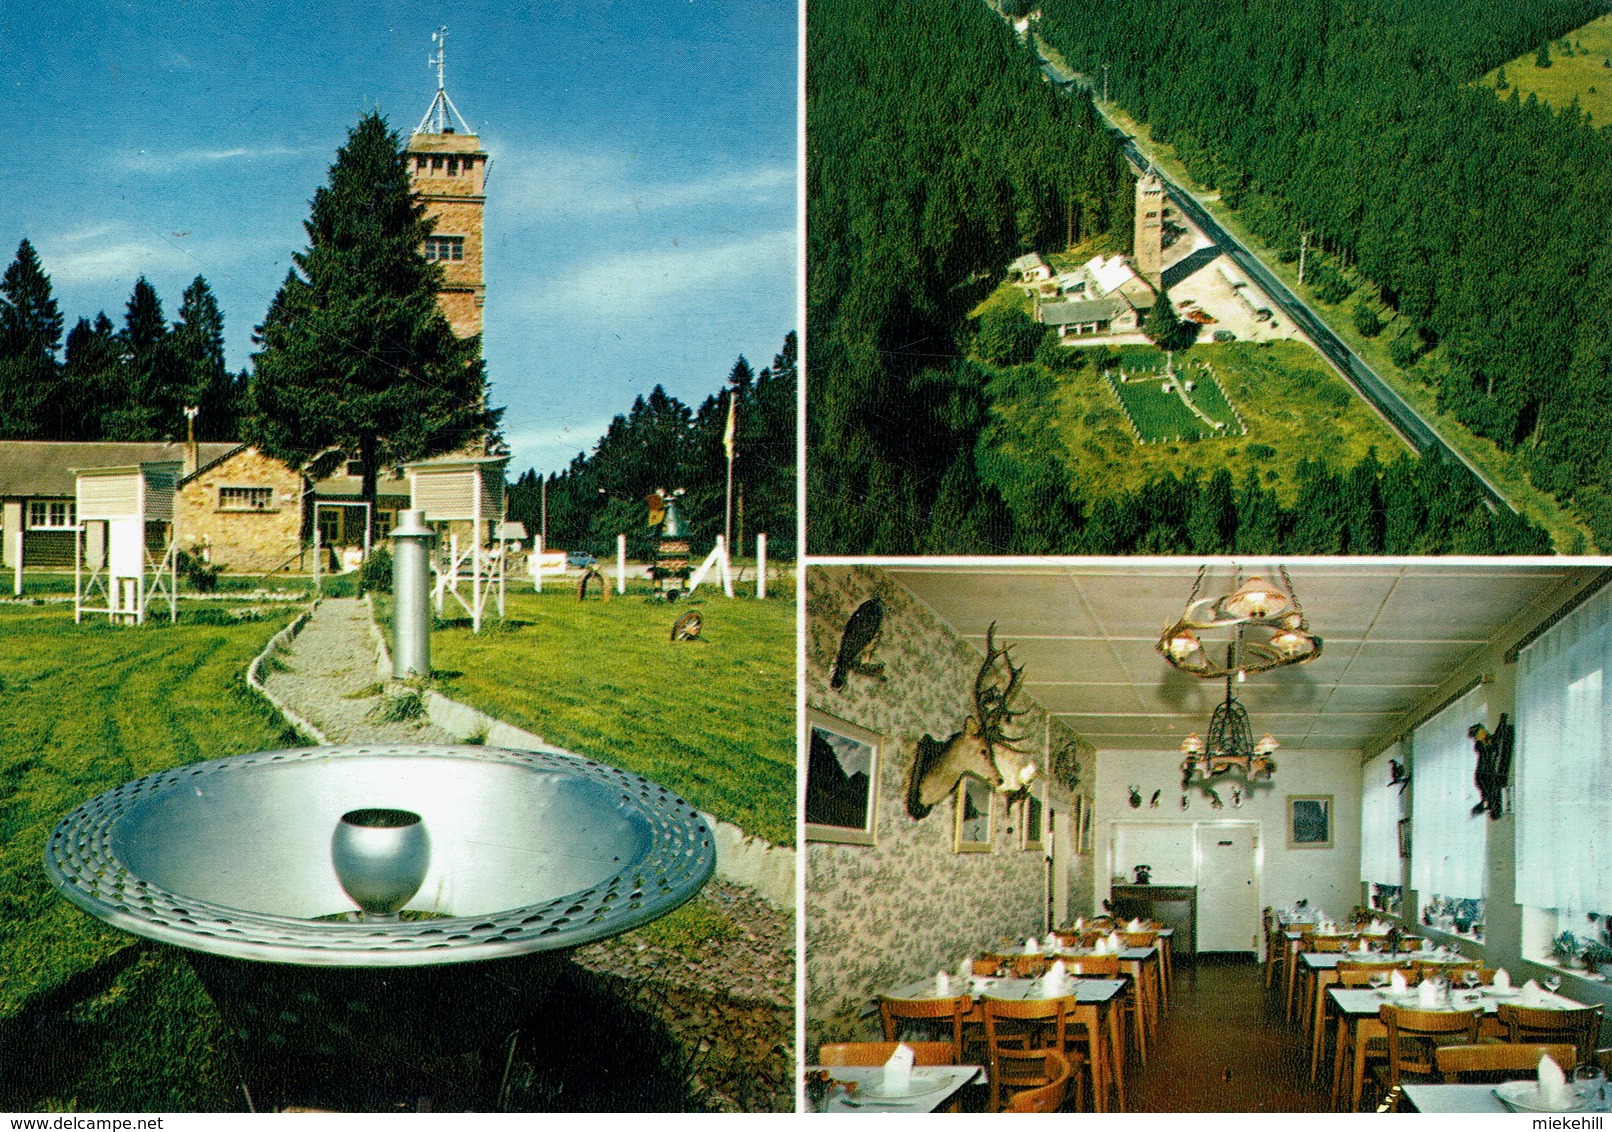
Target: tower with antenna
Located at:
point(1147, 254)
point(449, 173)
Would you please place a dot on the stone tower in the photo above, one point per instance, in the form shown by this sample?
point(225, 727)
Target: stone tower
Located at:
point(1148, 257)
point(449, 172)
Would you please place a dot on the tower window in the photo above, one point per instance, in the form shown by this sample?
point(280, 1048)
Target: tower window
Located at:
point(419, 164)
point(436, 164)
point(445, 248)
point(453, 166)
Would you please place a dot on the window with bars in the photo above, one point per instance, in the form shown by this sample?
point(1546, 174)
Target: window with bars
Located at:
point(48, 515)
point(246, 499)
point(445, 248)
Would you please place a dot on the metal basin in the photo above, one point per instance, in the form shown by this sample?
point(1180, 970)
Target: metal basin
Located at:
point(531, 855)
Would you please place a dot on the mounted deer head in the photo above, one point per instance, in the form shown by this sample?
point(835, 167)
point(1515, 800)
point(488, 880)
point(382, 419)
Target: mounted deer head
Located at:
point(982, 748)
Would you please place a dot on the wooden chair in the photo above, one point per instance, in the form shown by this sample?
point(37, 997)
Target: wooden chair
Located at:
point(1455, 971)
point(1021, 966)
point(1498, 1058)
point(1581, 1028)
point(877, 1053)
point(1017, 1032)
point(1093, 966)
point(931, 1011)
point(1275, 952)
point(1413, 1038)
point(1358, 972)
point(1048, 1097)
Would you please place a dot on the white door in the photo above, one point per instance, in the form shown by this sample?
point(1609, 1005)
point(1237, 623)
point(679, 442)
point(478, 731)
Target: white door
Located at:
point(1228, 886)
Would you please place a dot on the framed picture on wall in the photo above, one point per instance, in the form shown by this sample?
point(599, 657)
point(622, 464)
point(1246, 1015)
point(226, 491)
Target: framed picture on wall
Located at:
point(975, 798)
point(1080, 832)
point(1309, 821)
point(842, 782)
point(1032, 822)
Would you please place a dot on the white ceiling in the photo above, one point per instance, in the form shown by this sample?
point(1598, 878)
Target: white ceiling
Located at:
point(1085, 634)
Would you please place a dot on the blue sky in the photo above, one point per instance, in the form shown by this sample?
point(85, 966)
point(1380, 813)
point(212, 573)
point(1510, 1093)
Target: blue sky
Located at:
point(641, 213)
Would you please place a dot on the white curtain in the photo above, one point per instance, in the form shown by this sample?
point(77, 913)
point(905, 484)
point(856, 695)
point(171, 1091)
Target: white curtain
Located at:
point(1449, 843)
point(1562, 772)
point(1381, 807)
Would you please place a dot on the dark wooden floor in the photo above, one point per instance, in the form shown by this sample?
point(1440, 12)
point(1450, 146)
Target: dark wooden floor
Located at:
point(1220, 1050)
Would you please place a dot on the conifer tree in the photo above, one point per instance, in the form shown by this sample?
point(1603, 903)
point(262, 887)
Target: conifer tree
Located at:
point(198, 346)
point(30, 334)
point(357, 360)
point(142, 403)
point(1163, 324)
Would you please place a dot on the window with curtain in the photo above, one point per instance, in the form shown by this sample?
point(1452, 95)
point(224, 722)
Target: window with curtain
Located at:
point(1380, 811)
point(1449, 843)
point(1562, 772)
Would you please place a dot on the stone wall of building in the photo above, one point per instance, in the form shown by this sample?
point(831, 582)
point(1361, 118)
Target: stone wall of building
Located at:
point(244, 541)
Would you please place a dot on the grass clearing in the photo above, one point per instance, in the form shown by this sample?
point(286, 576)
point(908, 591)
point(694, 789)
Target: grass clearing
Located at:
point(1506, 470)
point(712, 719)
point(89, 707)
point(1584, 74)
point(1293, 404)
point(1158, 412)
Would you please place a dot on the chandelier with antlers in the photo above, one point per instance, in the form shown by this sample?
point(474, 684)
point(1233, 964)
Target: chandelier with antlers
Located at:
point(1267, 629)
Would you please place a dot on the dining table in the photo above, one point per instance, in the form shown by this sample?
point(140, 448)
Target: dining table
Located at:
point(1319, 970)
point(1096, 1002)
point(933, 1086)
point(1455, 1099)
point(1358, 1022)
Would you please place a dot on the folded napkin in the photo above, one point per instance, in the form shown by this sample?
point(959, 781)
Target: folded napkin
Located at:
point(1364, 947)
point(1427, 945)
point(1552, 1083)
point(898, 1070)
point(1031, 947)
point(1396, 980)
point(1502, 979)
point(965, 968)
point(1080, 923)
point(1052, 944)
point(1427, 993)
point(1054, 983)
point(943, 983)
point(1115, 943)
point(1532, 994)
point(1378, 927)
point(1100, 947)
point(1136, 925)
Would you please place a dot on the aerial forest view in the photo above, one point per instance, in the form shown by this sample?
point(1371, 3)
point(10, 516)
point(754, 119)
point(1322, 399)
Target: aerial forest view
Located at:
point(1101, 278)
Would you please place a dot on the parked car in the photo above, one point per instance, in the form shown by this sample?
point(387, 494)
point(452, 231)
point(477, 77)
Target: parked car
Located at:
point(1225, 336)
point(580, 560)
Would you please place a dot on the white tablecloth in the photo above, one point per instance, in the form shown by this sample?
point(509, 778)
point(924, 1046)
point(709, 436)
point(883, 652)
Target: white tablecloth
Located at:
point(950, 1078)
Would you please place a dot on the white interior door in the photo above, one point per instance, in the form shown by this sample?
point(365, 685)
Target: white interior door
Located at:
point(1058, 820)
point(1228, 886)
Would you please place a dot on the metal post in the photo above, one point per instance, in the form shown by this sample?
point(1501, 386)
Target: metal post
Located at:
point(621, 564)
point(411, 595)
point(761, 566)
point(537, 564)
point(316, 588)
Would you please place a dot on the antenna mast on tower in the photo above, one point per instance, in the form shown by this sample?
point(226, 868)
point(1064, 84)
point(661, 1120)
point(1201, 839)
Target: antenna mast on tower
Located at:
point(436, 120)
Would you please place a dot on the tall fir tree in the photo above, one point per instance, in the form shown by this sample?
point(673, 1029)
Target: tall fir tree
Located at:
point(30, 335)
point(143, 403)
point(198, 347)
point(357, 360)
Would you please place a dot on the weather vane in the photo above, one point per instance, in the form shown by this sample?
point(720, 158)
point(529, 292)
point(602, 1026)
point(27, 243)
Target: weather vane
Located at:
point(441, 104)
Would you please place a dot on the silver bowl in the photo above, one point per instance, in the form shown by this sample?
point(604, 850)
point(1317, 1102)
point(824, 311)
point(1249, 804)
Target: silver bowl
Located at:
point(531, 855)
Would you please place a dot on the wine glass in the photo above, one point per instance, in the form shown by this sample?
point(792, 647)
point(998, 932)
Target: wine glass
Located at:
point(1470, 978)
point(1553, 982)
point(1378, 978)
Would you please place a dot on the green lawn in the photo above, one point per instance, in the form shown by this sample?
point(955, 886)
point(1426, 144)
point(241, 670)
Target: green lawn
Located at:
point(1505, 469)
point(87, 708)
point(1161, 417)
point(1586, 74)
point(1293, 403)
point(712, 719)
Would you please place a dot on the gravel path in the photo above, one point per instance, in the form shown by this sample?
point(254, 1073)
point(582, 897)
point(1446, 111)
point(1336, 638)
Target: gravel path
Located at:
point(330, 660)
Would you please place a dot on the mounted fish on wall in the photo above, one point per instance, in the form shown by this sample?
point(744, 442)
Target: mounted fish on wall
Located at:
point(983, 748)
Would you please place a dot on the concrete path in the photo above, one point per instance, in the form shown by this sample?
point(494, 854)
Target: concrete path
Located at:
point(331, 660)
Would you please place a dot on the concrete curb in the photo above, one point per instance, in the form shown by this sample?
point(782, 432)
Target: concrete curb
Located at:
point(740, 858)
point(255, 681)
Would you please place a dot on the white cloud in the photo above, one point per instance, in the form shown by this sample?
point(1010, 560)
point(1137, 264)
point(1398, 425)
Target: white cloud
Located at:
point(647, 282)
point(572, 184)
point(171, 161)
point(118, 252)
point(552, 447)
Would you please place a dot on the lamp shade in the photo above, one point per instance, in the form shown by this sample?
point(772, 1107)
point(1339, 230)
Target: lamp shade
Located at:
point(1255, 599)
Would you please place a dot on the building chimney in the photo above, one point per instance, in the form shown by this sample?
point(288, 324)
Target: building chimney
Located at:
point(192, 459)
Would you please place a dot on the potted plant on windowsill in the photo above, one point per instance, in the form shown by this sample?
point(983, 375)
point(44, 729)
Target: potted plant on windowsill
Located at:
point(1597, 958)
point(1564, 949)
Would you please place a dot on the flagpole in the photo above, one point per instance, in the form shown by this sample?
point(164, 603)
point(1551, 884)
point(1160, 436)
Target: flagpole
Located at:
point(727, 442)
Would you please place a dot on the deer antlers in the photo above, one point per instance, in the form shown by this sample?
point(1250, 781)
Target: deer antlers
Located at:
point(991, 699)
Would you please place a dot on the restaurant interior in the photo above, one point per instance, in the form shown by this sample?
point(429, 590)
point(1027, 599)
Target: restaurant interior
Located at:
point(1168, 835)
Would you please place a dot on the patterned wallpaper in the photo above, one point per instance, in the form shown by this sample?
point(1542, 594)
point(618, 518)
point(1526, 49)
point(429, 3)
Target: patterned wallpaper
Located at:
point(879, 915)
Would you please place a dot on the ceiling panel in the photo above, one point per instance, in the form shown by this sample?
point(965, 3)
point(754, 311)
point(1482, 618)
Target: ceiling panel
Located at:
point(1085, 631)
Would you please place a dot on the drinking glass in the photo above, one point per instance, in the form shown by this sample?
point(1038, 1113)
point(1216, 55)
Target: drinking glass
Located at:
point(1377, 979)
point(1590, 1084)
point(1471, 978)
point(1553, 983)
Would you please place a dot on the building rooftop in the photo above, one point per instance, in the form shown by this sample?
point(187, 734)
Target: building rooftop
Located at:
point(44, 468)
point(1108, 273)
point(1084, 310)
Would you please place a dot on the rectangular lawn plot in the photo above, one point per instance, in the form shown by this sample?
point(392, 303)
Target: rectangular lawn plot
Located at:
point(1158, 416)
